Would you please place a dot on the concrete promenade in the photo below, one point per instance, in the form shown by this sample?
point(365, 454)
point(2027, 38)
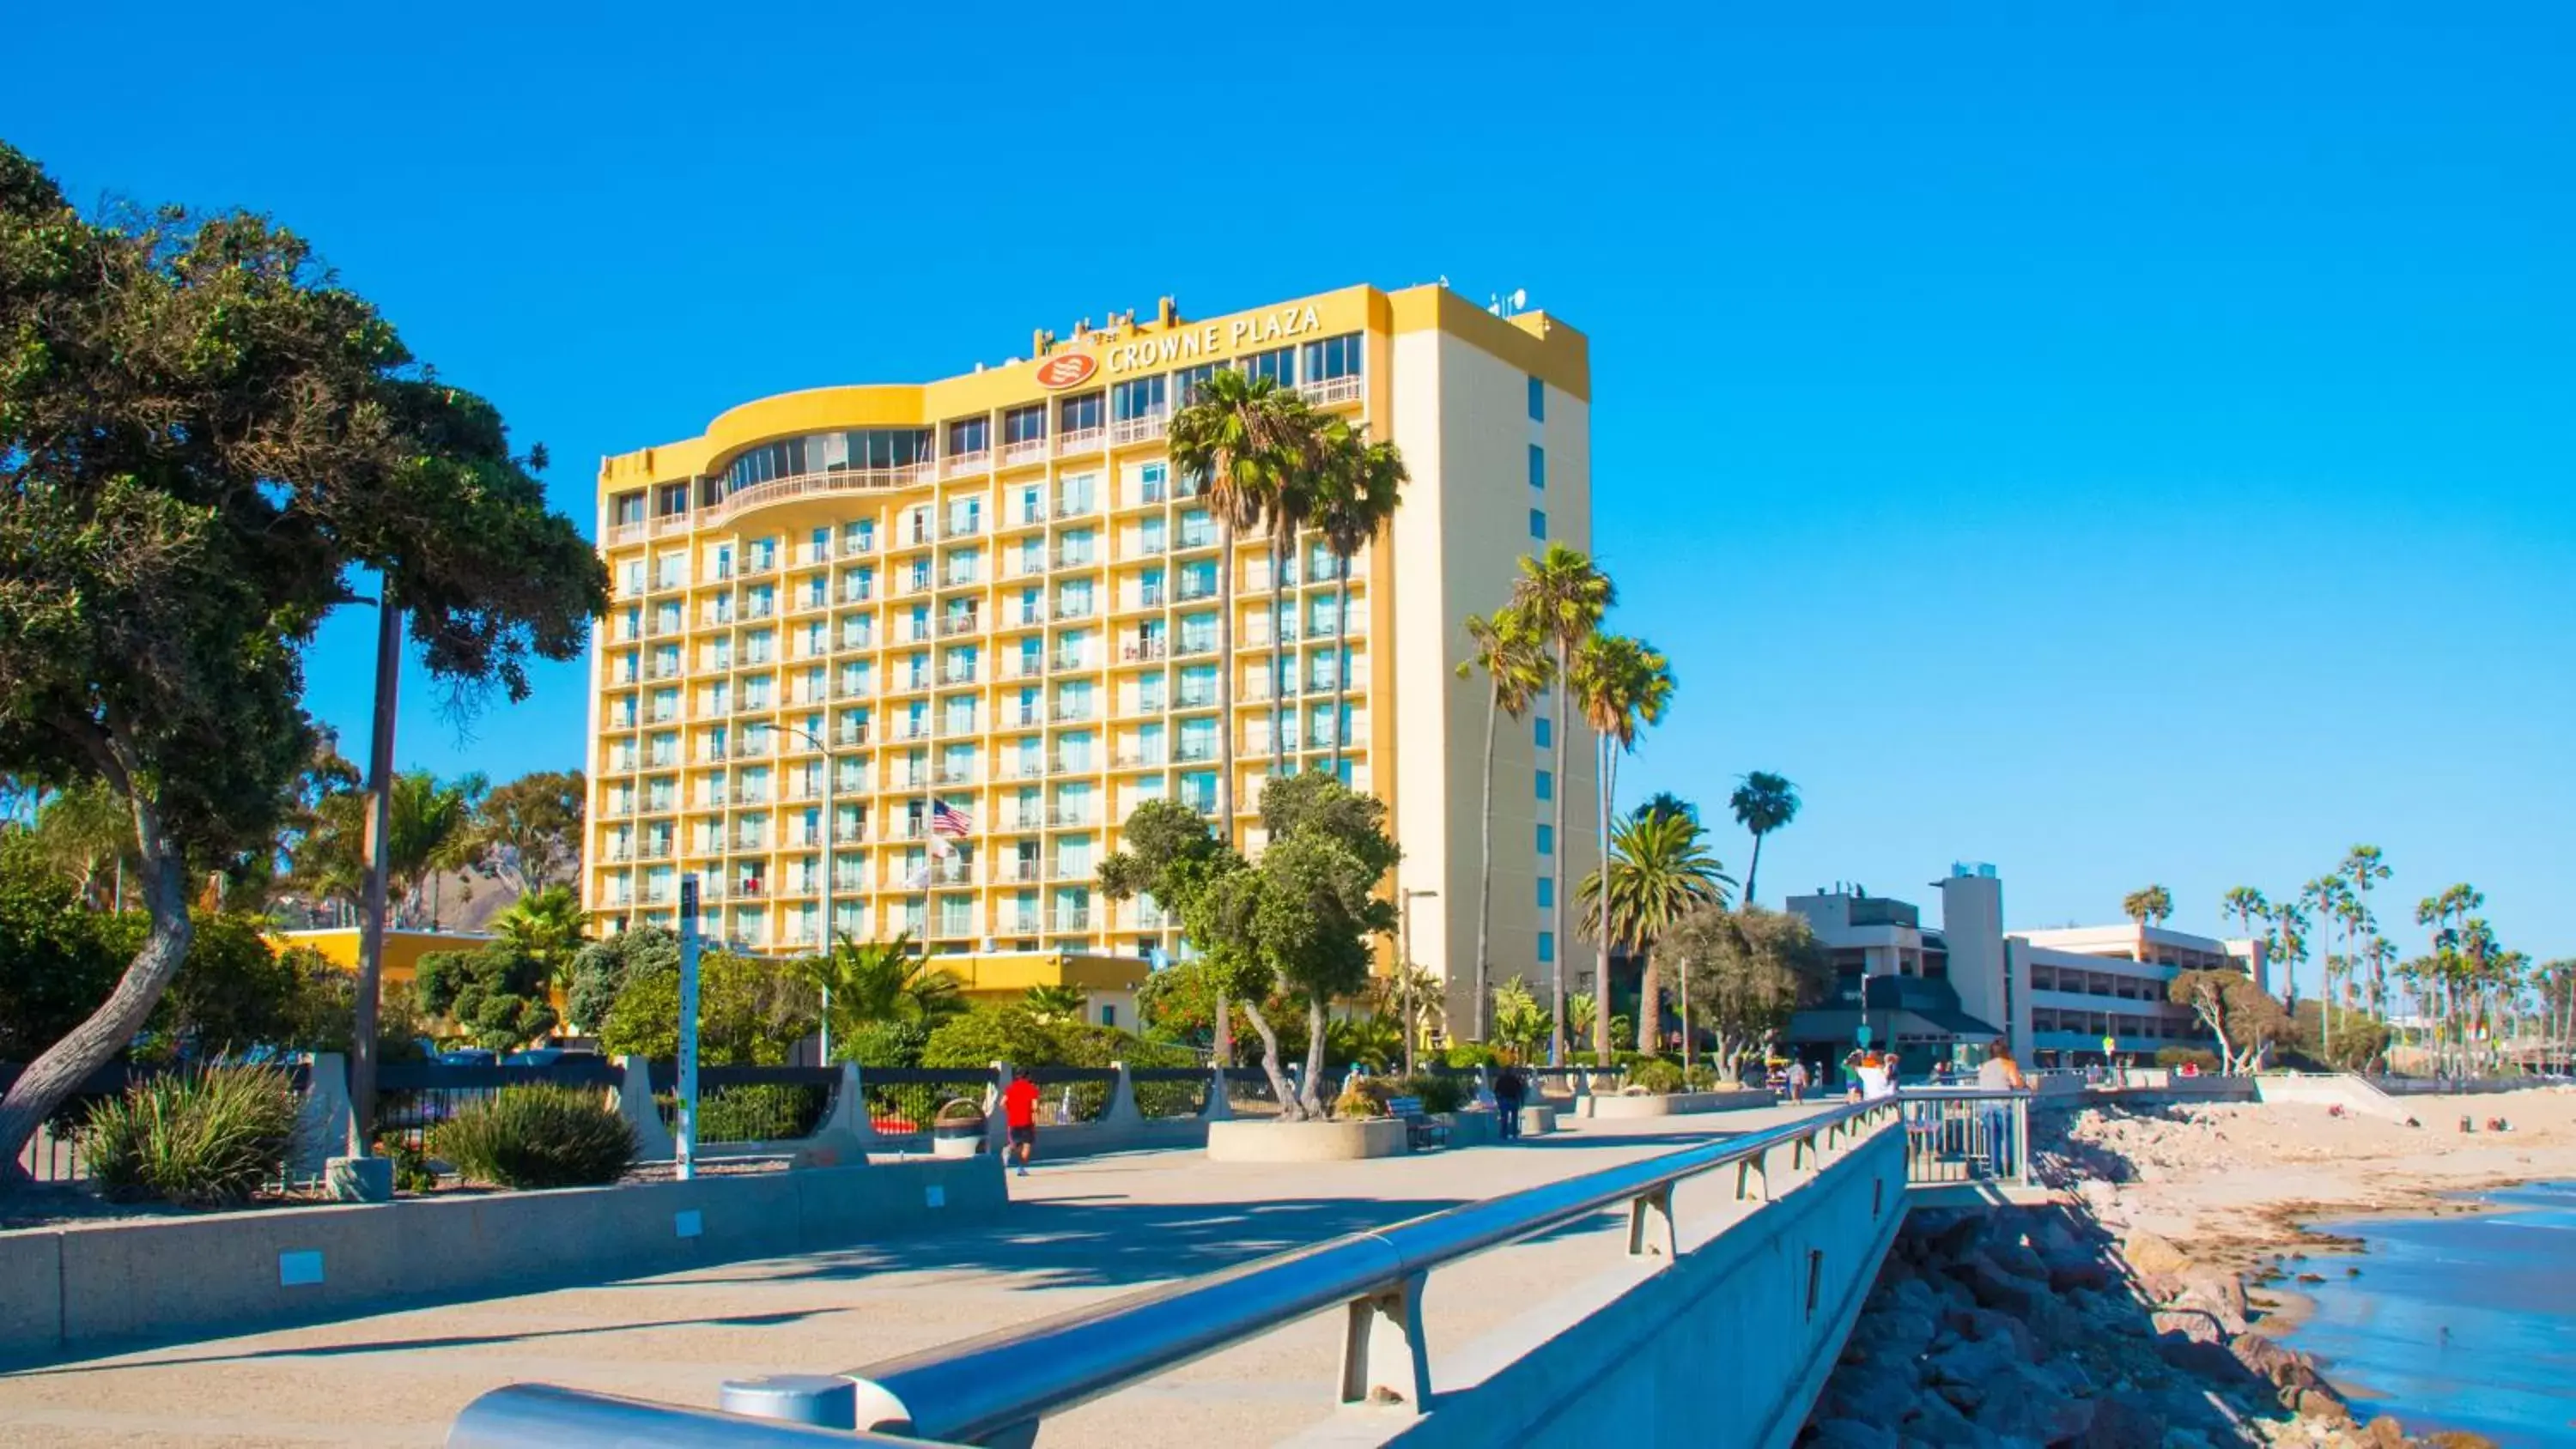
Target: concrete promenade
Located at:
point(1078, 1233)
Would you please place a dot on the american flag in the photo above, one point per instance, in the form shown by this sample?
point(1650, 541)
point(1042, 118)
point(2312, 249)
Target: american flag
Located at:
point(947, 819)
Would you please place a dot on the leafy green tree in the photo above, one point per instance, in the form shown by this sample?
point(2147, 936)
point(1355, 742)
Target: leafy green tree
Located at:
point(2352, 1044)
point(601, 970)
point(1560, 597)
point(1372, 1040)
point(1239, 439)
point(1746, 972)
point(527, 833)
point(2244, 1019)
point(87, 834)
point(1516, 666)
point(2148, 907)
point(202, 436)
point(496, 996)
point(1179, 1004)
point(1659, 871)
point(1763, 802)
point(1519, 1021)
point(57, 956)
point(1623, 687)
point(546, 926)
point(751, 1012)
point(1167, 853)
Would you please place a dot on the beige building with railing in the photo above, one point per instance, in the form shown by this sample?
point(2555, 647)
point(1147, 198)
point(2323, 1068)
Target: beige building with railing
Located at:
point(963, 628)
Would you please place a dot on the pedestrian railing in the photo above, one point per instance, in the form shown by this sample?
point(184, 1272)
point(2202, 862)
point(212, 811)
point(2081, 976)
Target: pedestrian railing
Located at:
point(1954, 1135)
point(1000, 1386)
point(53, 1154)
point(413, 1097)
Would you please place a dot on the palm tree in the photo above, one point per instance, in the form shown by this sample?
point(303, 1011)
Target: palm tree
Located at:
point(1659, 870)
point(1519, 1022)
point(1763, 802)
point(2147, 907)
point(432, 834)
point(1665, 802)
point(1362, 486)
point(2363, 868)
point(1516, 667)
point(1238, 438)
point(2326, 898)
point(1624, 687)
point(546, 926)
point(883, 981)
point(1561, 597)
point(1060, 1003)
point(2245, 906)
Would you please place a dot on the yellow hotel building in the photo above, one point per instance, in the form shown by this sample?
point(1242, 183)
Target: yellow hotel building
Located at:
point(967, 626)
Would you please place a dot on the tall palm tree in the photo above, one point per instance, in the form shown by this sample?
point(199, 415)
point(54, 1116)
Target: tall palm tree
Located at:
point(546, 926)
point(883, 981)
point(1658, 871)
point(1665, 802)
point(1763, 802)
point(1362, 487)
point(2325, 899)
point(1516, 667)
point(2362, 868)
point(1238, 438)
point(432, 834)
point(1310, 444)
point(1624, 687)
point(1561, 596)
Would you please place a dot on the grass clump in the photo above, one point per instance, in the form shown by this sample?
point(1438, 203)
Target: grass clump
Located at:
point(537, 1136)
point(201, 1136)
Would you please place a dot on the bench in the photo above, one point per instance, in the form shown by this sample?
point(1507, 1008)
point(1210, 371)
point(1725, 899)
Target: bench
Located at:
point(1420, 1132)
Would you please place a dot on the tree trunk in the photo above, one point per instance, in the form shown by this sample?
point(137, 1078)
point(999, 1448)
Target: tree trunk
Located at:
point(1753, 869)
point(1225, 765)
point(1601, 1052)
point(379, 857)
point(1315, 1056)
point(1290, 1109)
point(60, 1069)
point(1342, 657)
point(1650, 1012)
point(1563, 888)
point(1686, 1021)
point(1485, 875)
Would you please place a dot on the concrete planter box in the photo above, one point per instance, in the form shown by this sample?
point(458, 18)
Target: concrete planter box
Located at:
point(1305, 1141)
point(1673, 1104)
point(1471, 1128)
point(1537, 1121)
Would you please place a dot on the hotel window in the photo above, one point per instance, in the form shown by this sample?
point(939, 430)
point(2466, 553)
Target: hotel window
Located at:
point(1545, 785)
point(1187, 382)
point(1538, 400)
point(1538, 523)
point(673, 498)
point(1546, 892)
point(1025, 425)
point(1546, 840)
point(1542, 731)
point(1142, 398)
point(1546, 947)
point(1538, 466)
point(1333, 357)
point(1279, 364)
point(966, 436)
point(627, 508)
point(1078, 414)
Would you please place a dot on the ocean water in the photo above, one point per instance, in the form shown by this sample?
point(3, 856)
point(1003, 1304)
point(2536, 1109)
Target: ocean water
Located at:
point(2464, 1322)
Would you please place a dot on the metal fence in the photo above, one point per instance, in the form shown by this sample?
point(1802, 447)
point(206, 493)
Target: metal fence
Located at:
point(748, 1104)
point(1248, 1092)
point(412, 1098)
point(1966, 1136)
point(902, 1101)
point(1170, 1091)
point(53, 1155)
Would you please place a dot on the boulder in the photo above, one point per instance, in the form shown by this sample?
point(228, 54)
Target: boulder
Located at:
point(2021, 1406)
point(2121, 1424)
point(1935, 1422)
point(2216, 1292)
point(1971, 1361)
point(2149, 1253)
point(1990, 1287)
point(2067, 1272)
point(2384, 1432)
point(1876, 1392)
point(2018, 1259)
point(1990, 1326)
point(1899, 1333)
point(1849, 1434)
point(2275, 1362)
point(2321, 1404)
point(2192, 1324)
point(1959, 1238)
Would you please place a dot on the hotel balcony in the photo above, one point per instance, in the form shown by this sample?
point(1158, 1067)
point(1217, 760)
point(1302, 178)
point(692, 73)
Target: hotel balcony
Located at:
point(1138, 430)
point(1080, 440)
point(1324, 392)
point(815, 485)
point(1027, 450)
point(979, 461)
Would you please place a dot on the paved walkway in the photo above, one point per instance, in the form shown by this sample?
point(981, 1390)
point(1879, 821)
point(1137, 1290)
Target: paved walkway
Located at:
point(1079, 1232)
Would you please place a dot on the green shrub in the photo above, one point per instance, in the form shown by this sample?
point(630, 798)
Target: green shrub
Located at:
point(1655, 1075)
point(1469, 1055)
point(1439, 1092)
point(412, 1172)
point(884, 1044)
point(760, 1112)
point(537, 1136)
point(198, 1137)
point(1701, 1077)
point(2170, 1056)
point(1364, 1097)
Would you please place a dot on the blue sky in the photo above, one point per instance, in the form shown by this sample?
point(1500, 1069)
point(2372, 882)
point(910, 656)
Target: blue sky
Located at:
point(2120, 443)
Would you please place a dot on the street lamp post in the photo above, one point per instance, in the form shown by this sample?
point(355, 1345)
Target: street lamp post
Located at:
point(1404, 974)
point(831, 767)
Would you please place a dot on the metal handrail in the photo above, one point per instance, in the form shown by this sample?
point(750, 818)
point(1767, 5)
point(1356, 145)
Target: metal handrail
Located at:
point(964, 1392)
point(524, 1415)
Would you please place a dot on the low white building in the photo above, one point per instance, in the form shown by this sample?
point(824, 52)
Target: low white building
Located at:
point(1946, 992)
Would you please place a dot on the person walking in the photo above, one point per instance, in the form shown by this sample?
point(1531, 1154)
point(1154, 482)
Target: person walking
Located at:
point(1020, 1116)
point(1798, 1080)
point(2000, 1073)
point(1877, 1077)
point(1509, 1092)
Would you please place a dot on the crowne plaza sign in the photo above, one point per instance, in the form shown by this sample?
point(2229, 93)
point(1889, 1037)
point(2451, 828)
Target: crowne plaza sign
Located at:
point(1211, 341)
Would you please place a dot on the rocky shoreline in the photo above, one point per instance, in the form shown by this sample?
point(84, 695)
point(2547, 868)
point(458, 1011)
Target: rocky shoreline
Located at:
point(2036, 1326)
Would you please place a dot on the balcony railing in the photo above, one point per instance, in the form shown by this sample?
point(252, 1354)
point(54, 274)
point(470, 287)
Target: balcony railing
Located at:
point(1080, 440)
point(1144, 649)
point(952, 625)
point(1069, 921)
point(979, 461)
point(1137, 430)
point(1027, 450)
point(1326, 391)
point(804, 485)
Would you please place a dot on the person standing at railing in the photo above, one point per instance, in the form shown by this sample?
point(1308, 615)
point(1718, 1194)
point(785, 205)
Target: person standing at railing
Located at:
point(1510, 1090)
point(1877, 1077)
point(2000, 1073)
point(1798, 1079)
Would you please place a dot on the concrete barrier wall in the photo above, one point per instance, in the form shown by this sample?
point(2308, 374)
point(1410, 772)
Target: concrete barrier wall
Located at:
point(2350, 1093)
point(1727, 1347)
point(76, 1289)
point(1672, 1104)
